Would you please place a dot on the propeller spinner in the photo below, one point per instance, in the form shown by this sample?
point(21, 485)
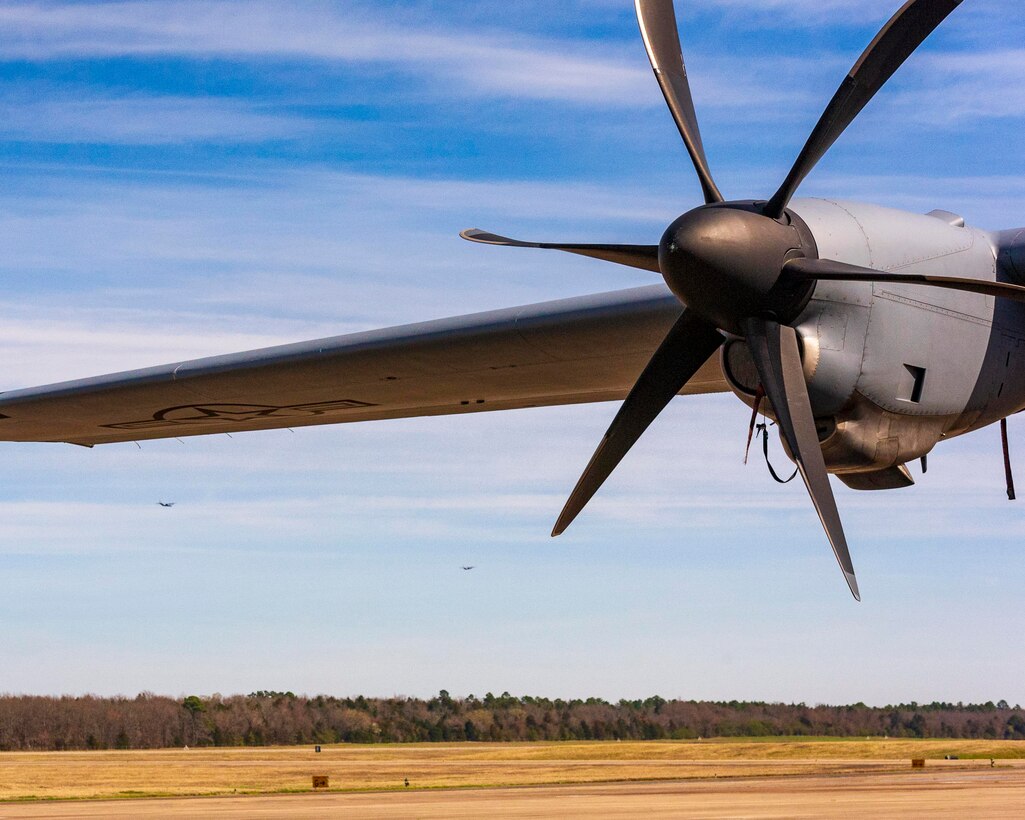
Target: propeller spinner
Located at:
point(747, 268)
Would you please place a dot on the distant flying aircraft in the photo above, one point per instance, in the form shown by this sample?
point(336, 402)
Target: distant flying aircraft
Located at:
point(166, 503)
point(868, 334)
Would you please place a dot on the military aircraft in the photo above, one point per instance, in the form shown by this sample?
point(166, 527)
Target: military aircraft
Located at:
point(868, 334)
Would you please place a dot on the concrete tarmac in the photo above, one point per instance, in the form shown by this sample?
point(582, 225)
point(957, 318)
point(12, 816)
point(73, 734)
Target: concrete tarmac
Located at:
point(995, 793)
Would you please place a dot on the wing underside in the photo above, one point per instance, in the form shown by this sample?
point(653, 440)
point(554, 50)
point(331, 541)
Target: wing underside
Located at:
point(565, 352)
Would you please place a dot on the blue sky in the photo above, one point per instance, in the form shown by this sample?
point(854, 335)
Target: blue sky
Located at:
point(184, 179)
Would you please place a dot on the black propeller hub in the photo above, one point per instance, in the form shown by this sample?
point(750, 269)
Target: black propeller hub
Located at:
point(725, 262)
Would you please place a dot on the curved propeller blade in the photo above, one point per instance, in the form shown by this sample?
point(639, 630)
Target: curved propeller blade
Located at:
point(830, 270)
point(657, 19)
point(644, 257)
point(685, 349)
point(778, 360)
point(897, 41)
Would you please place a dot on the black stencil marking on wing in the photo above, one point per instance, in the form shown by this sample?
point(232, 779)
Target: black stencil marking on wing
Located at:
point(202, 414)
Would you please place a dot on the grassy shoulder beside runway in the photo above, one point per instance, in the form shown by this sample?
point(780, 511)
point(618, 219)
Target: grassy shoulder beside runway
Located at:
point(270, 770)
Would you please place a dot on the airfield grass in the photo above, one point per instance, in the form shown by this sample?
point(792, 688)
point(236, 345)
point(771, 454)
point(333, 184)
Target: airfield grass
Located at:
point(271, 770)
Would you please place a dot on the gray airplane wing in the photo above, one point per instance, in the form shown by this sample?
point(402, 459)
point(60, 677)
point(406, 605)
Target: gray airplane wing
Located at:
point(585, 349)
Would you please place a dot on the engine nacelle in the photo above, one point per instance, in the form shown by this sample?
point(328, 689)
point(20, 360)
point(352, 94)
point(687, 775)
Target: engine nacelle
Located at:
point(863, 444)
point(891, 369)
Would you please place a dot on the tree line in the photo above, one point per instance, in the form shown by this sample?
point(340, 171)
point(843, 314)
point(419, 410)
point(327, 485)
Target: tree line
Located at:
point(268, 718)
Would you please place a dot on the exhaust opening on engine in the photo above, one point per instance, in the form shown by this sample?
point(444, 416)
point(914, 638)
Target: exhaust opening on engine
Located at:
point(912, 383)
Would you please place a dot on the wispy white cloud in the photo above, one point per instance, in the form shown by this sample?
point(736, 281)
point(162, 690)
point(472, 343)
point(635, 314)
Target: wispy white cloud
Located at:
point(280, 221)
point(49, 344)
point(833, 14)
point(808, 12)
point(505, 64)
point(490, 62)
point(135, 120)
point(956, 89)
point(508, 65)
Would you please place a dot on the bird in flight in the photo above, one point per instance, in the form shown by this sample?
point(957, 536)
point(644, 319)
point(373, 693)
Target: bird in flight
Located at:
point(467, 569)
point(166, 503)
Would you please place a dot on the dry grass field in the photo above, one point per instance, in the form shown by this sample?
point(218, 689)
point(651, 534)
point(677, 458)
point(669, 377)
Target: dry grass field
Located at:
point(26, 776)
point(985, 794)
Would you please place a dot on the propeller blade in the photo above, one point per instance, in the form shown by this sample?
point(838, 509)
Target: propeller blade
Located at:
point(644, 257)
point(828, 270)
point(657, 19)
point(897, 41)
point(778, 360)
point(687, 347)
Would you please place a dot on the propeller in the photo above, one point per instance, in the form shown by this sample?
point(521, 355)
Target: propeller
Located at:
point(899, 38)
point(689, 344)
point(748, 268)
point(644, 257)
point(657, 19)
point(822, 270)
point(778, 360)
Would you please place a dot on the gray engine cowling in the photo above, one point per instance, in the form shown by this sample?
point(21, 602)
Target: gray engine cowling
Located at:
point(863, 444)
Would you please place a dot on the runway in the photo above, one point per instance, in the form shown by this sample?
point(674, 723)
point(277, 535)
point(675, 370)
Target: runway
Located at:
point(989, 793)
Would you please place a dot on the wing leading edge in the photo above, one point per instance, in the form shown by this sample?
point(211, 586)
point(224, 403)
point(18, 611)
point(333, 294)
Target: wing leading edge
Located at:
point(585, 349)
